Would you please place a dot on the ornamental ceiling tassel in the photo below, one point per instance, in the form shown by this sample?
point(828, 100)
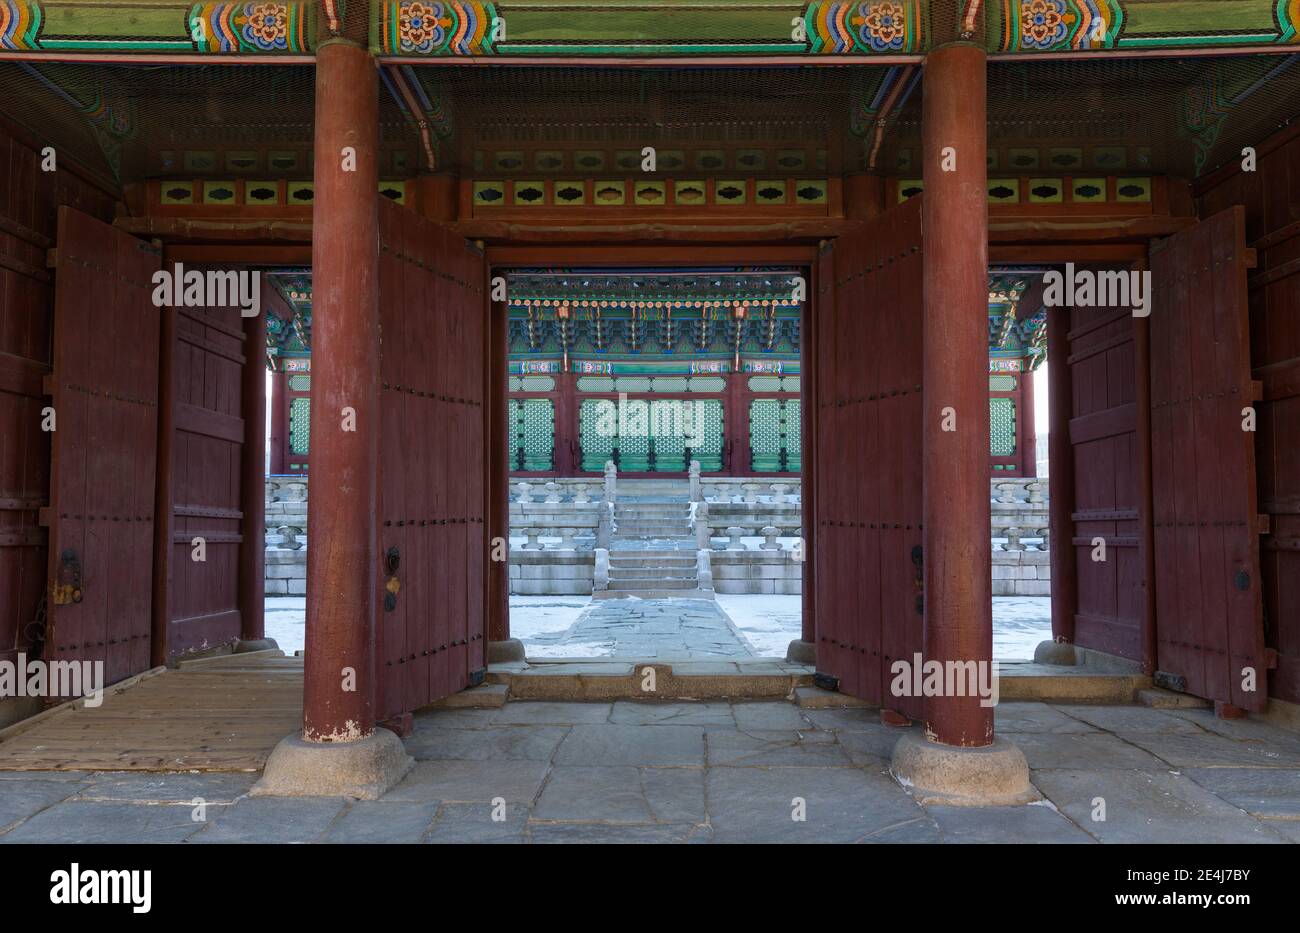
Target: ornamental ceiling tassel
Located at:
point(738, 310)
point(562, 313)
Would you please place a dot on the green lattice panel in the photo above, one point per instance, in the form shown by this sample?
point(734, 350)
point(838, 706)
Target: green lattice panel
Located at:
point(710, 452)
point(536, 427)
point(634, 446)
point(793, 438)
point(669, 424)
point(765, 435)
point(1002, 427)
point(512, 419)
point(597, 434)
point(299, 426)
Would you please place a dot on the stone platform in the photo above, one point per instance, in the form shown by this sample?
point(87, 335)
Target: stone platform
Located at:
point(672, 772)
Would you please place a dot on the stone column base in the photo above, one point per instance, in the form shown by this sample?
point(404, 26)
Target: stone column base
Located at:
point(365, 769)
point(801, 652)
point(243, 646)
point(996, 775)
point(512, 649)
point(1055, 652)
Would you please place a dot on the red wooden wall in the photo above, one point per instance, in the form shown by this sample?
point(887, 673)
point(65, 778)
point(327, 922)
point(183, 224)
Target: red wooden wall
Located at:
point(1107, 501)
point(29, 199)
point(1271, 198)
point(201, 438)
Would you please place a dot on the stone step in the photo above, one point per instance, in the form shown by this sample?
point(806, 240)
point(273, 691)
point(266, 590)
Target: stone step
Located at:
point(651, 572)
point(659, 593)
point(667, 529)
point(630, 561)
point(679, 680)
point(484, 696)
point(664, 533)
point(676, 523)
point(675, 518)
point(658, 581)
point(648, 553)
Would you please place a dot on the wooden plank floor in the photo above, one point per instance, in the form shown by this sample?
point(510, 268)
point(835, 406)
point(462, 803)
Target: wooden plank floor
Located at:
point(223, 714)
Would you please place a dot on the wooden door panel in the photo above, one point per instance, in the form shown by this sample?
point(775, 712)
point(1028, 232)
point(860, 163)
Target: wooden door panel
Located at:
point(103, 451)
point(433, 457)
point(868, 503)
point(1208, 591)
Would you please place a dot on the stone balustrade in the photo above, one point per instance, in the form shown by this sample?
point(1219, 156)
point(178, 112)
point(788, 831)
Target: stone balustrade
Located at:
point(744, 524)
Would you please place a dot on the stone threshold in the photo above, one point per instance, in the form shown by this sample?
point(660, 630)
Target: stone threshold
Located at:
point(627, 678)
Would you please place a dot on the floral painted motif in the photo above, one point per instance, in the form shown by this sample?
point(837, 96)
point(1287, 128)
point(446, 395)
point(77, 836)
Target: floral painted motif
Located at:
point(266, 25)
point(422, 26)
point(882, 26)
point(1044, 23)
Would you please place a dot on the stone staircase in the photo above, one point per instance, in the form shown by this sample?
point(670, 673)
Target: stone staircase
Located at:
point(652, 550)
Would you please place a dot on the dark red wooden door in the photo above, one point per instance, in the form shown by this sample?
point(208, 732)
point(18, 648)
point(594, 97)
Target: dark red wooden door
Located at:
point(1104, 540)
point(201, 439)
point(868, 426)
point(105, 390)
point(432, 462)
point(1209, 620)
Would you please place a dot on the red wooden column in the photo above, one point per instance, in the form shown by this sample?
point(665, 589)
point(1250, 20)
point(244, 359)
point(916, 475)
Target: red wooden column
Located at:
point(252, 479)
point(279, 420)
point(957, 547)
point(343, 561)
point(1025, 422)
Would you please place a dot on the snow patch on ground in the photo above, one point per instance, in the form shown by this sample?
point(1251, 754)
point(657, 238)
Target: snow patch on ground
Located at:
point(768, 622)
point(537, 617)
point(771, 622)
point(286, 621)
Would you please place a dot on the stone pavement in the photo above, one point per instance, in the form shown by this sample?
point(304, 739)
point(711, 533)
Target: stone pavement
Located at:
point(715, 772)
point(648, 629)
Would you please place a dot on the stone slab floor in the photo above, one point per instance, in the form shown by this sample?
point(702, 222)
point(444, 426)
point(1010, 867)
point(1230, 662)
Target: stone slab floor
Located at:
point(536, 772)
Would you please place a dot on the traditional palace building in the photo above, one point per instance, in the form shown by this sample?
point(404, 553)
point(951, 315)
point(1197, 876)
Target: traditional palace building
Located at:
point(828, 222)
point(727, 340)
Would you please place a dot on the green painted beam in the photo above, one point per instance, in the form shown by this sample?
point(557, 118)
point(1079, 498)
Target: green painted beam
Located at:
point(582, 28)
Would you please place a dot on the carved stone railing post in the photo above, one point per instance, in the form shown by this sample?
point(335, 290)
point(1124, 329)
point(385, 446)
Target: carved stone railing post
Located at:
point(580, 496)
point(1044, 535)
point(566, 538)
point(1035, 491)
point(734, 534)
point(600, 576)
point(611, 481)
point(751, 493)
point(704, 570)
point(769, 542)
point(702, 525)
point(603, 529)
point(533, 544)
point(695, 480)
point(1013, 540)
point(525, 492)
point(1008, 494)
point(779, 490)
point(553, 493)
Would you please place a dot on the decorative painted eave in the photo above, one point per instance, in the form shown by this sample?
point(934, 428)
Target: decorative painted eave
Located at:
point(158, 26)
point(578, 29)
